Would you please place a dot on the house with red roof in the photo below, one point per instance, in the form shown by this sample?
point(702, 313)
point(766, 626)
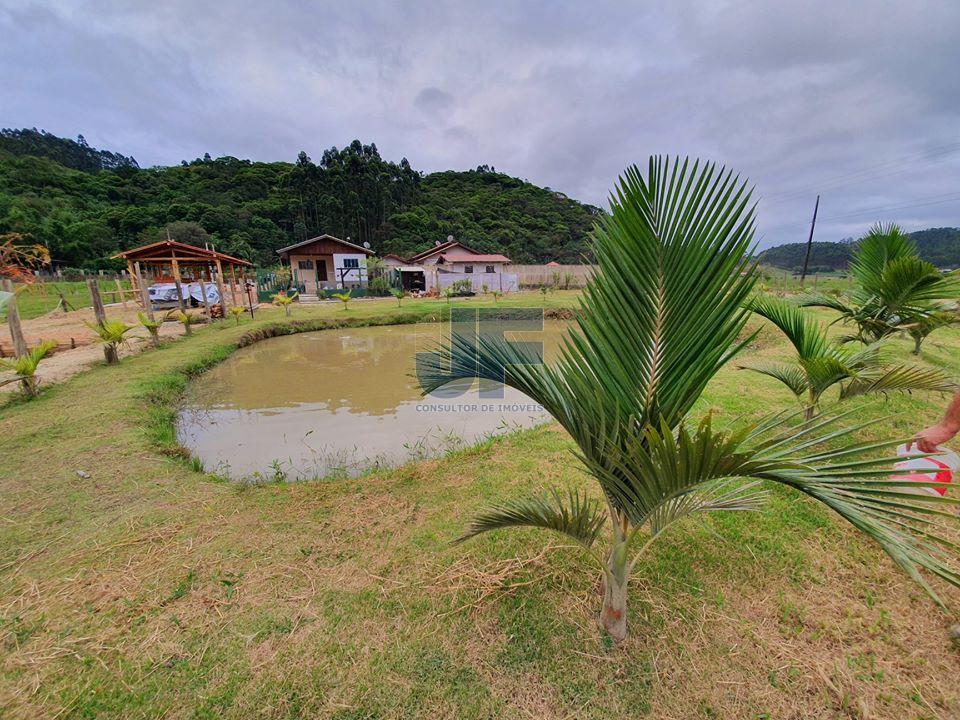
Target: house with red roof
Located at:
point(454, 256)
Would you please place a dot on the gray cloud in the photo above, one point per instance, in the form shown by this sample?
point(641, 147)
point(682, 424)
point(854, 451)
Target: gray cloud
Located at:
point(860, 102)
point(434, 102)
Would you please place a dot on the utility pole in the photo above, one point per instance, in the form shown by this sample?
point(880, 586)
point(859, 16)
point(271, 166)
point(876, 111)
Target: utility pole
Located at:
point(813, 224)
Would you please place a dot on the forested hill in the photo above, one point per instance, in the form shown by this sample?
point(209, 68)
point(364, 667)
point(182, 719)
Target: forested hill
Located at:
point(85, 204)
point(940, 246)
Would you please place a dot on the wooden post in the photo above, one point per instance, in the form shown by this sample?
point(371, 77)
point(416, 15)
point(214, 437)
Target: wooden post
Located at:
point(223, 297)
point(98, 310)
point(123, 295)
point(13, 321)
point(131, 275)
point(245, 289)
point(109, 354)
point(203, 292)
point(175, 266)
point(249, 293)
point(144, 293)
point(233, 284)
point(219, 280)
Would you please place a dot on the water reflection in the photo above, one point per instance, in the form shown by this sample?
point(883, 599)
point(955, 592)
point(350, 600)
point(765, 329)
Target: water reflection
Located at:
point(338, 402)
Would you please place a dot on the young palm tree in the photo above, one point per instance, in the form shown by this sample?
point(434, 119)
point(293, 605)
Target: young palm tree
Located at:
point(820, 364)
point(112, 335)
point(188, 320)
point(659, 318)
point(893, 286)
point(25, 368)
point(342, 297)
point(285, 301)
point(237, 311)
point(153, 327)
point(921, 327)
point(398, 294)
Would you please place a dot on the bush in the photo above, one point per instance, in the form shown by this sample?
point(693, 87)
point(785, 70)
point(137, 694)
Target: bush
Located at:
point(462, 288)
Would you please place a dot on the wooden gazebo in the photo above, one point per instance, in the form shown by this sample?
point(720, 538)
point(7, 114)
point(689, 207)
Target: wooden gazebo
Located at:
point(172, 261)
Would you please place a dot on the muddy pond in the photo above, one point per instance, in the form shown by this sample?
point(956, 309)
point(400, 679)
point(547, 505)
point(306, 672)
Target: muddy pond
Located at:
point(339, 402)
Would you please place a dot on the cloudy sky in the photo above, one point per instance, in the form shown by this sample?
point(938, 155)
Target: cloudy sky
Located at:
point(858, 100)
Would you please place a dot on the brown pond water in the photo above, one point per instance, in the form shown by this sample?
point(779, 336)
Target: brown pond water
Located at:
point(339, 402)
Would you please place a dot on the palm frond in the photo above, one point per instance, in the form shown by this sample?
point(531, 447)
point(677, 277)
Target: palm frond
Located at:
point(26, 365)
point(723, 495)
point(792, 376)
point(804, 333)
point(576, 516)
point(111, 331)
point(883, 243)
point(149, 324)
point(907, 284)
point(830, 302)
point(899, 378)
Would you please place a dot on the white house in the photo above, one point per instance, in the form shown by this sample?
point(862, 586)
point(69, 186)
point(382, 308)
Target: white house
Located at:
point(452, 261)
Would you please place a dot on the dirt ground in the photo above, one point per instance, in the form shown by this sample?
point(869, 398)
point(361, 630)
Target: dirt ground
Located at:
point(77, 346)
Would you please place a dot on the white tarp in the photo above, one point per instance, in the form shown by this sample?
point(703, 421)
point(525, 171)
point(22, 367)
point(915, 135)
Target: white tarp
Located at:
point(4, 298)
point(167, 292)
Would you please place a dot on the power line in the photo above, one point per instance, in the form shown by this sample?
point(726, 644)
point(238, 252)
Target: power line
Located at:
point(889, 168)
point(892, 208)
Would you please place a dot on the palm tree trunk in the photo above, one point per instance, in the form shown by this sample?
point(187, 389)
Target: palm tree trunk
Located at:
point(917, 341)
point(613, 616)
point(29, 383)
point(287, 310)
point(110, 354)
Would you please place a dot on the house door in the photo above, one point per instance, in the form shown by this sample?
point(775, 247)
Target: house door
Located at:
point(308, 276)
point(321, 272)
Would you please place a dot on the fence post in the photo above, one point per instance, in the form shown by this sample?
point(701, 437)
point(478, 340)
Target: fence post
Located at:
point(101, 315)
point(96, 301)
point(123, 295)
point(13, 320)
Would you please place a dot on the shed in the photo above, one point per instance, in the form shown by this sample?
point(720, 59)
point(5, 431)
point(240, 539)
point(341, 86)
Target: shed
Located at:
point(176, 262)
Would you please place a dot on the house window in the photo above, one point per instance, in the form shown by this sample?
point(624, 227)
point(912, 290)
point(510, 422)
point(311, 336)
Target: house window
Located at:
point(489, 269)
point(305, 264)
point(351, 262)
point(468, 268)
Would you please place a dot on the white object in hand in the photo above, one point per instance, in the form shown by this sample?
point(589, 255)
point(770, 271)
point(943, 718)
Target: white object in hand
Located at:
point(940, 468)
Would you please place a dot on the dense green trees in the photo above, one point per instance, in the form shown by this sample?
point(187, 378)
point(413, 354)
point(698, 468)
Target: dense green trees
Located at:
point(940, 246)
point(85, 204)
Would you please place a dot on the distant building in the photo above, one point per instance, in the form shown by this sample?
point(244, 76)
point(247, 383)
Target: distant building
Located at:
point(452, 261)
point(393, 260)
point(326, 263)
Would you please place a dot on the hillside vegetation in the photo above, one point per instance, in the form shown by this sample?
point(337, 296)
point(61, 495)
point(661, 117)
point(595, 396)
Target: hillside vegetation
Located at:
point(940, 246)
point(86, 204)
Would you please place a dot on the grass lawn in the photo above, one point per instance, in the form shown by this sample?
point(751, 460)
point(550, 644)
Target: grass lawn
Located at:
point(151, 590)
point(40, 298)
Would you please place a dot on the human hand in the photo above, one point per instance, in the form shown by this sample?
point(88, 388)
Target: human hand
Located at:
point(930, 439)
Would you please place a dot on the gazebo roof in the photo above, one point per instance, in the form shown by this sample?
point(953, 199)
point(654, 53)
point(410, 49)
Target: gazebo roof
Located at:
point(167, 250)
